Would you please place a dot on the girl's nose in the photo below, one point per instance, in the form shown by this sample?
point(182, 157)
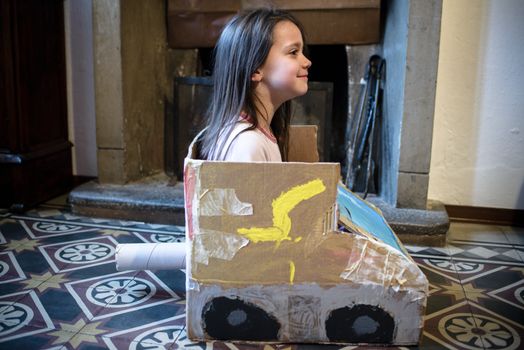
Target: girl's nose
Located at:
point(307, 63)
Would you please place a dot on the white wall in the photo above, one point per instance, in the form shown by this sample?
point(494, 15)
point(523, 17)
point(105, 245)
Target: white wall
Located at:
point(478, 139)
point(80, 86)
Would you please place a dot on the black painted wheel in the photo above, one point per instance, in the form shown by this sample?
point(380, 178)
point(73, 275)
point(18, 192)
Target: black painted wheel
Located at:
point(226, 318)
point(360, 324)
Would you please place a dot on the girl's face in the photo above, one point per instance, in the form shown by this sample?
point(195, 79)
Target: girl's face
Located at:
point(283, 75)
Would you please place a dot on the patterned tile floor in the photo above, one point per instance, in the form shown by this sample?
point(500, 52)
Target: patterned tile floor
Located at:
point(59, 288)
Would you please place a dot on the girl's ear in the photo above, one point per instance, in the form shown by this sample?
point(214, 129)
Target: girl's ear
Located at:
point(257, 76)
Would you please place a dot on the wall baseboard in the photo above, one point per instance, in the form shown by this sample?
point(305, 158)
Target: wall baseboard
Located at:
point(494, 216)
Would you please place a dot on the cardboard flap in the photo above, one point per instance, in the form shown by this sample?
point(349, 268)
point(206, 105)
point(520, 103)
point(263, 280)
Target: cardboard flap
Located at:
point(303, 143)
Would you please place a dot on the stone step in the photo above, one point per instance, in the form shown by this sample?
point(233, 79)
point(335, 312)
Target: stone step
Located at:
point(155, 199)
point(416, 226)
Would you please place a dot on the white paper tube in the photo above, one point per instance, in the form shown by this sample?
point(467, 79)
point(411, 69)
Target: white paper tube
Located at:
point(150, 256)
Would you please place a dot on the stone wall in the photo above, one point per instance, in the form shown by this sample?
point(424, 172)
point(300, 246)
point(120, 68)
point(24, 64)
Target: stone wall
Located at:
point(134, 71)
point(410, 47)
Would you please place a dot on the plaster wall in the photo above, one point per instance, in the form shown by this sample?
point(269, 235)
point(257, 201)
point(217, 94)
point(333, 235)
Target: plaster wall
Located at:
point(478, 140)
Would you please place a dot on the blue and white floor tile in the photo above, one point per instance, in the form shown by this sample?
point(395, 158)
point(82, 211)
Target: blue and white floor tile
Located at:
point(59, 288)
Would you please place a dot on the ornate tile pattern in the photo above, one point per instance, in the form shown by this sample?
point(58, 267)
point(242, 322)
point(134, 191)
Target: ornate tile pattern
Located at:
point(59, 288)
point(10, 270)
point(22, 315)
point(79, 254)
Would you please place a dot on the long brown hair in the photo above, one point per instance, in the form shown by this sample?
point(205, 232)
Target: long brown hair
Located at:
point(242, 48)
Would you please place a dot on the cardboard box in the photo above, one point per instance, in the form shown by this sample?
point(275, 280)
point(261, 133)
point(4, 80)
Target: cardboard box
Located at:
point(267, 262)
point(198, 23)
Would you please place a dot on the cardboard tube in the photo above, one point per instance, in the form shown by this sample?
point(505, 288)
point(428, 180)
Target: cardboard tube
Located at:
point(150, 256)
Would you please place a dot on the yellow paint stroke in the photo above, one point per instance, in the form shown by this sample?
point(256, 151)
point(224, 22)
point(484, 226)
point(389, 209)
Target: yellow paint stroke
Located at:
point(281, 207)
point(291, 271)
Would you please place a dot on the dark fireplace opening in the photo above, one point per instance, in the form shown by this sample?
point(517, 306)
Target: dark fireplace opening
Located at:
point(325, 105)
point(330, 65)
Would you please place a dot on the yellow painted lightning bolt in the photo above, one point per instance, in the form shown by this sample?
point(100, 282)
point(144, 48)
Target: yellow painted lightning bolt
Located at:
point(291, 271)
point(282, 205)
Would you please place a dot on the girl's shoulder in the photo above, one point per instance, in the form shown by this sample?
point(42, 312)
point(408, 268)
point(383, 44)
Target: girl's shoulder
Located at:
point(251, 144)
point(243, 133)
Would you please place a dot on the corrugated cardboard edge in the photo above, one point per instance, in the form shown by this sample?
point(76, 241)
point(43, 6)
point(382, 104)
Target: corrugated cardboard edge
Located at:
point(191, 179)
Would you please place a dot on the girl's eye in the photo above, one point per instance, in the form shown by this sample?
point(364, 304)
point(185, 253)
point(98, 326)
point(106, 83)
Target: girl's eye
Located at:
point(294, 52)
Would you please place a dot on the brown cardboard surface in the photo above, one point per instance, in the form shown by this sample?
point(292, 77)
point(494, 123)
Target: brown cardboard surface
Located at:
point(303, 143)
point(261, 184)
point(330, 260)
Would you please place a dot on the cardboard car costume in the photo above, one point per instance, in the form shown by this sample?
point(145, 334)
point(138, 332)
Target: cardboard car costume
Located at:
point(267, 259)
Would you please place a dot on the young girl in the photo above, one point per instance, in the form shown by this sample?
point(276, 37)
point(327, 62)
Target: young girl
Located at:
point(259, 67)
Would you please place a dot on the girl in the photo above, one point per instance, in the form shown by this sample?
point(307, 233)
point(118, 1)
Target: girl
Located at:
point(259, 67)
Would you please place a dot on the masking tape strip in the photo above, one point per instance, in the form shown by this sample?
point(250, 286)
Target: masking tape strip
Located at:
point(216, 244)
point(223, 201)
point(376, 262)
